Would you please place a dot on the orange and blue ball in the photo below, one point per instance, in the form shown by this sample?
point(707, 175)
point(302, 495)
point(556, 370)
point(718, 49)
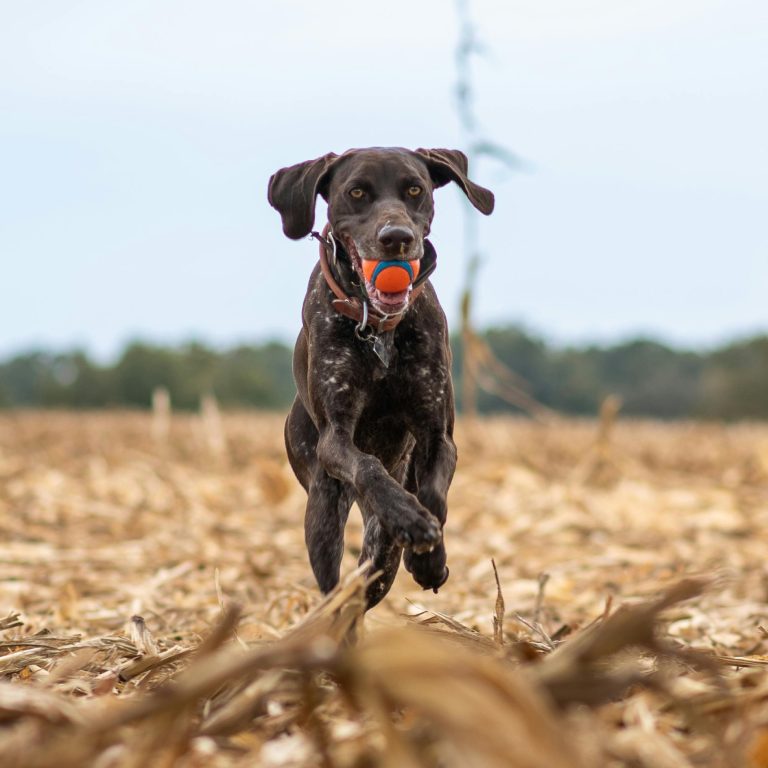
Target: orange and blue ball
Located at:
point(390, 276)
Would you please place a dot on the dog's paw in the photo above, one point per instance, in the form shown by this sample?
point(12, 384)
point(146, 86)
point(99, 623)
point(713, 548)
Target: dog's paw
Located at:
point(421, 535)
point(435, 587)
point(428, 569)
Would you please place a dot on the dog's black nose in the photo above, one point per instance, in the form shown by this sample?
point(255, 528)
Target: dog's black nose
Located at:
point(395, 239)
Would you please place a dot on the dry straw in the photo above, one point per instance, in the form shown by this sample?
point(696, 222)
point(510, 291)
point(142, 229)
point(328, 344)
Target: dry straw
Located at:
point(160, 611)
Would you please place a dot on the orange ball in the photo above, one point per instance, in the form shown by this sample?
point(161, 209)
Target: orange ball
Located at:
point(391, 276)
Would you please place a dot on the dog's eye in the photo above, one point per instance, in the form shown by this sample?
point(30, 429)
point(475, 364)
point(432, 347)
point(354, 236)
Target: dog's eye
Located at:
point(357, 193)
point(414, 191)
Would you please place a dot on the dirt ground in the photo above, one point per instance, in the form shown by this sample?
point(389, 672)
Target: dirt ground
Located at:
point(128, 539)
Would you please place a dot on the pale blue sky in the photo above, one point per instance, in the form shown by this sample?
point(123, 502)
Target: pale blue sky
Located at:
point(136, 140)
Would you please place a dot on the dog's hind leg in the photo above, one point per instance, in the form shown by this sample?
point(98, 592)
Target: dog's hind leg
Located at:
point(301, 443)
point(384, 554)
point(328, 500)
point(327, 511)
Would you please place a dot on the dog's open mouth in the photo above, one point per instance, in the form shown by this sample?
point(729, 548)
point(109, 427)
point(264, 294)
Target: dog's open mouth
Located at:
point(382, 301)
point(390, 301)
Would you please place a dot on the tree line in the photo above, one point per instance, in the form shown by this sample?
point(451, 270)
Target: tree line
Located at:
point(652, 379)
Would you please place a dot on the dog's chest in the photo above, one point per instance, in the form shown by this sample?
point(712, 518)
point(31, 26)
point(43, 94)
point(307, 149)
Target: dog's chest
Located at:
point(411, 385)
point(382, 350)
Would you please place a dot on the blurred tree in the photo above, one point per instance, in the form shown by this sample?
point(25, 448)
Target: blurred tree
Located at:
point(143, 367)
point(652, 379)
point(573, 384)
point(23, 378)
point(73, 381)
point(256, 376)
point(735, 381)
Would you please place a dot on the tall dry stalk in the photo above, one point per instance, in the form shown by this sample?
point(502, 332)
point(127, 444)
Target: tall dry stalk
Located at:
point(475, 372)
point(161, 414)
point(212, 427)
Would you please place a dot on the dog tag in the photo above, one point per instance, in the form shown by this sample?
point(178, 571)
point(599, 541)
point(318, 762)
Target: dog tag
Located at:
point(382, 350)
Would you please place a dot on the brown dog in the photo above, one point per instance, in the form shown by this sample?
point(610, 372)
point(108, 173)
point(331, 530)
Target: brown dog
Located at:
point(373, 418)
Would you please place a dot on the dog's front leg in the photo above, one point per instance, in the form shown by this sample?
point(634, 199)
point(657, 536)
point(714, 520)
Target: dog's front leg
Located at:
point(409, 523)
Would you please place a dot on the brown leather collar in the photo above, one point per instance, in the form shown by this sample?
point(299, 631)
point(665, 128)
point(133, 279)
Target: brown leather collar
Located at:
point(359, 309)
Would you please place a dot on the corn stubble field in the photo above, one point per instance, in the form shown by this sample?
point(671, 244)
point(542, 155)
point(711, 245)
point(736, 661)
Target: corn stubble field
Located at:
point(157, 607)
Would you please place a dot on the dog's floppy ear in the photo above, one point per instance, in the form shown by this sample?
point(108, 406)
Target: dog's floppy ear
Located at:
point(451, 165)
point(293, 191)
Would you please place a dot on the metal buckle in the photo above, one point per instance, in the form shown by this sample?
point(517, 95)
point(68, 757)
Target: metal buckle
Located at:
point(363, 324)
point(333, 245)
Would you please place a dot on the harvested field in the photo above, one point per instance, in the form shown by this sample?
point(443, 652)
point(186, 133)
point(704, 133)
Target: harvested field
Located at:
point(157, 607)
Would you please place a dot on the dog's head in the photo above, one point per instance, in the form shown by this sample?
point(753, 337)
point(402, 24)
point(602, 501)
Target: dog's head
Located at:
point(380, 204)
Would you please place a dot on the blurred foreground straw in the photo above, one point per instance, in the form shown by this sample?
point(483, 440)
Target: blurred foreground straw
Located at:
point(431, 694)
